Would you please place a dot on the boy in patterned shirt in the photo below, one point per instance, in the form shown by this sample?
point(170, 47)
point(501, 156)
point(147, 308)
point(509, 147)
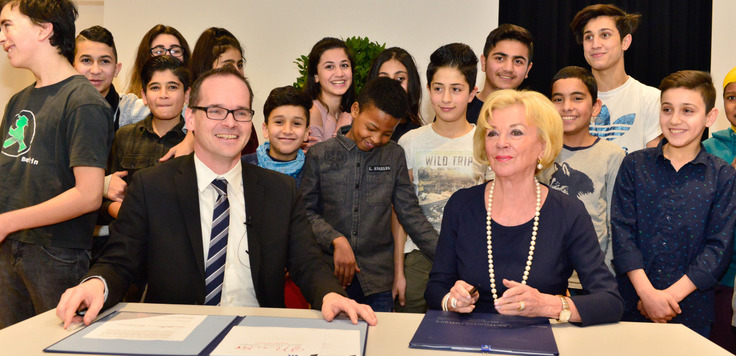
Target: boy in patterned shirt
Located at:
point(673, 213)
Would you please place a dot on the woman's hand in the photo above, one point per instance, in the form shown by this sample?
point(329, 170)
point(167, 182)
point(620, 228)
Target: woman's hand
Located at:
point(521, 299)
point(463, 301)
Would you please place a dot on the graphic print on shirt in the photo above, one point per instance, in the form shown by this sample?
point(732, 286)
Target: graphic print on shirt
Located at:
point(603, 127)
point(438, 175)
point(17, 141)
point(336, 157)
point(572, 182)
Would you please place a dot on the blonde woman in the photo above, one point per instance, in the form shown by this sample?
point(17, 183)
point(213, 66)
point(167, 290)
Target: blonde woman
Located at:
point(513, 239)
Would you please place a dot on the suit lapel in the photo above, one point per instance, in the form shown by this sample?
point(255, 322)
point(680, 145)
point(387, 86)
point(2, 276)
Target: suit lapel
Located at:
point(186, 187)
point(254, 198)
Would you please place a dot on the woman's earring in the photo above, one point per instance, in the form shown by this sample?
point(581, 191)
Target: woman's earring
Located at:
point(539, 164)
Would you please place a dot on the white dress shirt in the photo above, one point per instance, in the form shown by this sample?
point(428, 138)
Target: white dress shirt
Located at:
point(237, 287)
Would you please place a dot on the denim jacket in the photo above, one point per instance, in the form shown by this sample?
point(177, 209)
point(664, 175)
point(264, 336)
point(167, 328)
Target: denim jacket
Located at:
point(350, 193)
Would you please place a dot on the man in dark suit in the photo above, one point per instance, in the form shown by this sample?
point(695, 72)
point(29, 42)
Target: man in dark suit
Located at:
point(170, 230)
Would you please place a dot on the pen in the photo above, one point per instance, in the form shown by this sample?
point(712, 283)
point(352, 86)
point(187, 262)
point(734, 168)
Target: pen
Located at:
point(473, 290)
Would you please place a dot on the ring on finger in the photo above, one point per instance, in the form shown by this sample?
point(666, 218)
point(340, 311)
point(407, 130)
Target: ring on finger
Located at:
point(521, 306)
point(454, 303)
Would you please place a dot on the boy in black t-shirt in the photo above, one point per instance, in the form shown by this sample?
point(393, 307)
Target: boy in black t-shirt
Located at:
point(55, 135)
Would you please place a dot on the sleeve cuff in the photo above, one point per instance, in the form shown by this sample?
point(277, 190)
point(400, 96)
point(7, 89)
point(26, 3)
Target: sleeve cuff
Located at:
point(700, 279)
point(628, 262)
point(104, 282)
point(106, 186)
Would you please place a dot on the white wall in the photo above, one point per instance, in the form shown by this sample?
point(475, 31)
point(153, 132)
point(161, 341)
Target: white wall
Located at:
point(276, 32)
point(723, 52)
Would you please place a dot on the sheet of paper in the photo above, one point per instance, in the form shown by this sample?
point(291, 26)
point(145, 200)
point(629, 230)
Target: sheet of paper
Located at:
point(142, 326)
point(278, 341)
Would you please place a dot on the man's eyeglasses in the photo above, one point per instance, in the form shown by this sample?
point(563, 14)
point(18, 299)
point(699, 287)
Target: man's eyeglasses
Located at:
point(218, 113)
point(161, 50)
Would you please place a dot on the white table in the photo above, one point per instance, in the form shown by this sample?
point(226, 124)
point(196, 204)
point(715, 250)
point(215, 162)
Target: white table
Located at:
point(394, 330)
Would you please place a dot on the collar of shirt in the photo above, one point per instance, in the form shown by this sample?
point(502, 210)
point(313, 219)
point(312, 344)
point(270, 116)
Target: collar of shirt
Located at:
point(345, 141)
point(205, 175)
point(113, 98)
point(177, 130)
point(700, 158)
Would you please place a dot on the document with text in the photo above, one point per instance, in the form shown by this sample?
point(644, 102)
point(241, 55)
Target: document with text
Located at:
point(287, 341)
point(167, 327)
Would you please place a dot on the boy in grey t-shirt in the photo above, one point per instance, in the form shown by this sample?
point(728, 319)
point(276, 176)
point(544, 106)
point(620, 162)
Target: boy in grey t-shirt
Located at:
point(587, 166)
point(56, 135)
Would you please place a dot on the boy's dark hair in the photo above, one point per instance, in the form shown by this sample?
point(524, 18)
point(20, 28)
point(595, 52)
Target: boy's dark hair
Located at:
point(311, 87)
point(581, 73)
point(386, 95)
point(217, 72)
point(455, 55)
point(696, 80)
point(61, 14)
point(625, 23)
point(213, 42)
point(511, 32)
point(163, 63)
point(99, 34)
point(283, 96)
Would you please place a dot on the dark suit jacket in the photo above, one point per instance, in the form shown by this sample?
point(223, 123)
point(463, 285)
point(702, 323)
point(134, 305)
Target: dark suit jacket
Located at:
point(157, 237)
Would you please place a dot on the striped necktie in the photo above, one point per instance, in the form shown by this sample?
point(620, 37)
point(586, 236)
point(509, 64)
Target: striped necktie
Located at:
point(215, 266)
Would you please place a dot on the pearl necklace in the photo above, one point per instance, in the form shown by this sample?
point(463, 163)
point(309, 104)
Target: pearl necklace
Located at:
point(528, 267)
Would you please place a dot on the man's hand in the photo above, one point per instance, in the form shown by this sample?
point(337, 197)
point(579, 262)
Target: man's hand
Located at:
point(399, 288)
point(345, 266)
point(117, 187)
point(184, 148)
point(89, 295)
point(334, 304)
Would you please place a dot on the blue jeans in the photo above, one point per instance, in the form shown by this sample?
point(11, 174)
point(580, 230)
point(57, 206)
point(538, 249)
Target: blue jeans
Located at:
point(33, 278)
point(380, 302)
